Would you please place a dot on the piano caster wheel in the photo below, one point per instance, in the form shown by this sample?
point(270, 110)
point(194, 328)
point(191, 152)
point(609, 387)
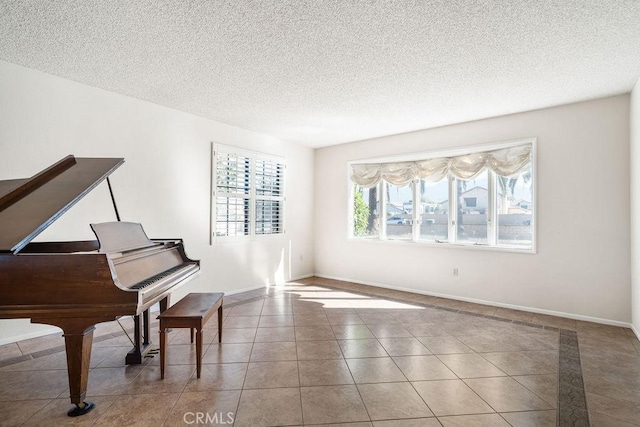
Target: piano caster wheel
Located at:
point(81, 409)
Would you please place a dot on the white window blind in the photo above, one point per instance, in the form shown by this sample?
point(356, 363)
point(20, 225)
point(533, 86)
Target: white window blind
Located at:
point(269, 196)
point(233, 192)
point(248, 194)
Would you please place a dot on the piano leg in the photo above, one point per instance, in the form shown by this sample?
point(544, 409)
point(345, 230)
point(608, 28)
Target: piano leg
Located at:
point(78, 340)
point(141, 342)
point(78, 337)
point(141, 335)
point(145, 328)
point(134, 357)
point(164, 303)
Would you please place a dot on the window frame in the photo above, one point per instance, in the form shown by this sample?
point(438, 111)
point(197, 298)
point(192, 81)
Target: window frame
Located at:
point(252, 196)
point(452, 242)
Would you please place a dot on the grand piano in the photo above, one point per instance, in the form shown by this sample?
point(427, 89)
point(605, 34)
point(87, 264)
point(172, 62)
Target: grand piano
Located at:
point(75, 285)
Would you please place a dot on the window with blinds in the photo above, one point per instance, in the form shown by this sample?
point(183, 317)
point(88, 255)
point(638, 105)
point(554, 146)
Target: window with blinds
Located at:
point(269, 196)
point(248, 197)
point(232, 198)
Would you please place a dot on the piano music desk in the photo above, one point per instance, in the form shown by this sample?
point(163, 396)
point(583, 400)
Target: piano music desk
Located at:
point(192, 312)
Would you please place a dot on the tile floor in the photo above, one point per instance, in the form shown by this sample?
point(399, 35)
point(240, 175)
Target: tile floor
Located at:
point(323, 352)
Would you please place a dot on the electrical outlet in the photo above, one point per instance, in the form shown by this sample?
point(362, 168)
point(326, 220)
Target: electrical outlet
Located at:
point(455, 271)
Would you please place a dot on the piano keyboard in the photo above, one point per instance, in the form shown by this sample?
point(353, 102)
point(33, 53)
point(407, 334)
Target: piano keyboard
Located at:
point(151, 280)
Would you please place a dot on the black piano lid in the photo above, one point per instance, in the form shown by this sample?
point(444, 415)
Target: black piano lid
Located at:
point(28, 207)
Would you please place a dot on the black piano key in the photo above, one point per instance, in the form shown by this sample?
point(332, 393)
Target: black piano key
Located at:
point(153, 279)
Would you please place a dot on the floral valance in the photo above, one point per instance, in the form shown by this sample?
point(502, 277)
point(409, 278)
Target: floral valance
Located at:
point(505, 162)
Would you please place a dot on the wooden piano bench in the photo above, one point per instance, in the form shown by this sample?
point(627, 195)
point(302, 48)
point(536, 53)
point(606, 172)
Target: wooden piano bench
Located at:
point(192, 311)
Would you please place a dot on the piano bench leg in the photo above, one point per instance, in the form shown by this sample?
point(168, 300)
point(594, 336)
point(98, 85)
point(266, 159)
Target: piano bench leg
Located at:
point(220, 323)
point(199, 350)
point(191, 312)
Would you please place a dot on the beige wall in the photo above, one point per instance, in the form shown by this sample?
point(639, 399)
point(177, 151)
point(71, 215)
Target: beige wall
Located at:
point(582, 184)
point(164, 183)
point(635, 207)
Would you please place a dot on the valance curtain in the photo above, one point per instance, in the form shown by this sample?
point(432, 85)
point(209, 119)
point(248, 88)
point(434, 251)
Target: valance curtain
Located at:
point(504, 162)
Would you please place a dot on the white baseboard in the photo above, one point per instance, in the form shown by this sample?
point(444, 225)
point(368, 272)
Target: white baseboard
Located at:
point(485, 302)
point(304, 276)
point(635, 331)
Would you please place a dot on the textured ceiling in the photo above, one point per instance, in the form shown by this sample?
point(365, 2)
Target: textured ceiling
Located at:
point(333, 71)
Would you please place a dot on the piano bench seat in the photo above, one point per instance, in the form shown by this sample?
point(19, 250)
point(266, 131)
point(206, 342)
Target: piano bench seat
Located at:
point(192, 312)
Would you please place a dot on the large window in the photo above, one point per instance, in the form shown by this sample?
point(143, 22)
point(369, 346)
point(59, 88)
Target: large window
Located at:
point(248, 194)
point(482, 197)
